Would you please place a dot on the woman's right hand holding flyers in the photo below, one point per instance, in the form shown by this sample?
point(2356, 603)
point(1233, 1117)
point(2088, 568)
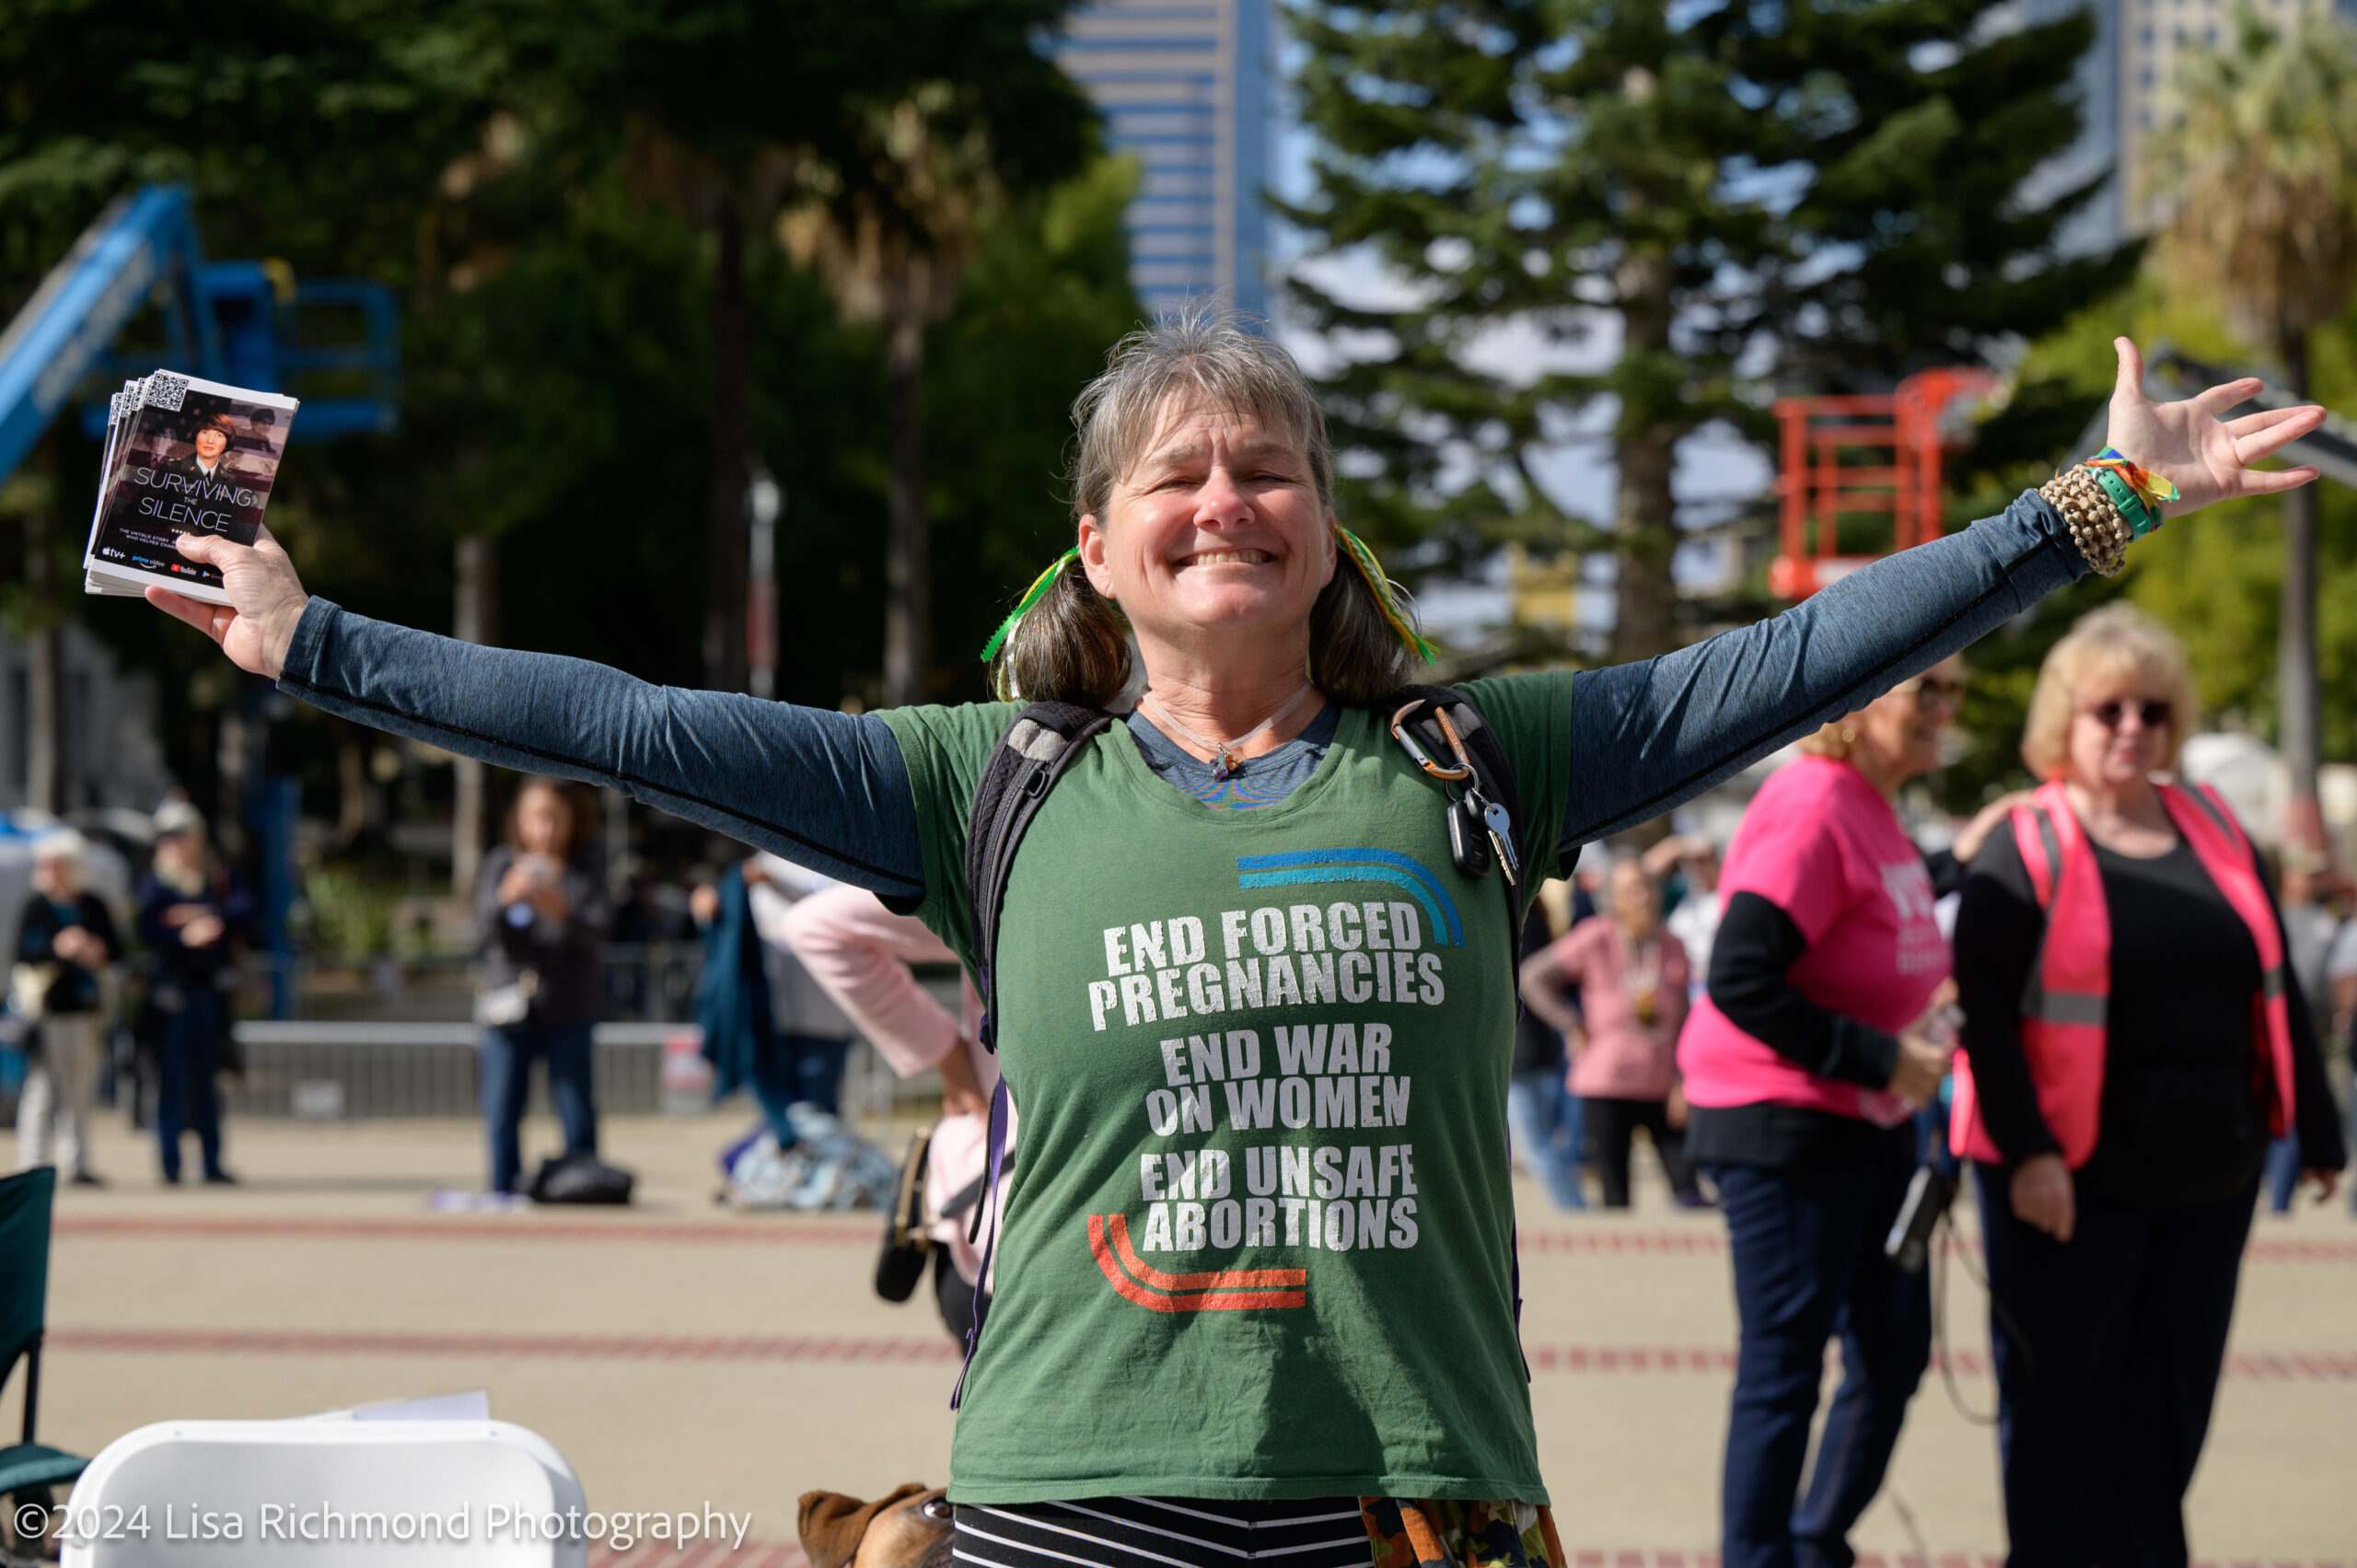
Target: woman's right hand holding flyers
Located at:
point(266, 600)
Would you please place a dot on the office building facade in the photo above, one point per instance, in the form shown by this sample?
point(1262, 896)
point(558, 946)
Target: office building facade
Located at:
point(1184, 88)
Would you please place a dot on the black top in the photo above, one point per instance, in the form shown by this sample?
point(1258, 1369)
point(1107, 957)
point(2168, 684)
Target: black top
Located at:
point(177, 965)
point(75, 989)
point(2183, 1121)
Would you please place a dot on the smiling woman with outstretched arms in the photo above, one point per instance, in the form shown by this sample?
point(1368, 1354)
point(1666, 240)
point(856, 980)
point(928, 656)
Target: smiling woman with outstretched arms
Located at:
point(1257, 1287)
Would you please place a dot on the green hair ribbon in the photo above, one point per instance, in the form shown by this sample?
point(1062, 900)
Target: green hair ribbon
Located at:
point(1040, 585)
point(1380, 585)
point(1355, 547)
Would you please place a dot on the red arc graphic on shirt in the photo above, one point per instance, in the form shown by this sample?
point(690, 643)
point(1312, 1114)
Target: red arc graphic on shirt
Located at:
point(1227, 1290)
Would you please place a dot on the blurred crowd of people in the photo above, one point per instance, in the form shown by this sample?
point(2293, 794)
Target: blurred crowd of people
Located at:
point(2100, 997)
point(2100, 1005)
point(80, 965)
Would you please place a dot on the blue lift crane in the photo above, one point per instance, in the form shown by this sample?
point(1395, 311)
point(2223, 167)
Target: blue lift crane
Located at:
point(246, 323)
point(237, 322)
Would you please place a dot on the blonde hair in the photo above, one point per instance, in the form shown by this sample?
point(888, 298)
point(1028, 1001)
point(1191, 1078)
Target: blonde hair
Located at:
point(2119, 638)
point(1836, 738)
point(1072, 645)
point(1833, 739)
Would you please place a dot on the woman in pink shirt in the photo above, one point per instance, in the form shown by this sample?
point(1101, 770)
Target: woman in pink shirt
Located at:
point(1804, 1064)
point(1631, 978)
point(859, 952)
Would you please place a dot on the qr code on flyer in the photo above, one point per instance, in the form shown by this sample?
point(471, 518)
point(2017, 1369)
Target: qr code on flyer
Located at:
point(165, 390)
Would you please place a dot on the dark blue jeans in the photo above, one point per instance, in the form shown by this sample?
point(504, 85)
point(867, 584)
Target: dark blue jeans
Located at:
point(2282, 1172)
point(805, 1068)
point(187, 1097)
point(507, 1086)
point(1544, 1117)
point(2108, 1357)
point(1808, 1267)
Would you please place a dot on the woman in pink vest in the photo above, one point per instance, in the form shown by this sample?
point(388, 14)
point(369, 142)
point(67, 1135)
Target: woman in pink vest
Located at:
point(2133, 1038)
point(1802, 1065)
point(1623, 1037)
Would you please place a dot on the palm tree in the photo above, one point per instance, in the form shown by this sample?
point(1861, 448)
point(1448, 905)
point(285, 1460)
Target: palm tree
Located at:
point(2258, 177)
point(890, 225)
point(729, 194)
point(734, 107)
point(891, 238)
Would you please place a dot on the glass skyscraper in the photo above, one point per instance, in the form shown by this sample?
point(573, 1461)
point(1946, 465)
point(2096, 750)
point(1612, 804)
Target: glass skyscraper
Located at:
point(1184, 87)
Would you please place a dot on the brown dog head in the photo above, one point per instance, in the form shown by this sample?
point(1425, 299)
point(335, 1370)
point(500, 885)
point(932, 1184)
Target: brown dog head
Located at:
point(906, 1529)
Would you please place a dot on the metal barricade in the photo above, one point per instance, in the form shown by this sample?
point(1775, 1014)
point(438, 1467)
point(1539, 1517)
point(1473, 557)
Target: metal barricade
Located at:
point(320, 1070)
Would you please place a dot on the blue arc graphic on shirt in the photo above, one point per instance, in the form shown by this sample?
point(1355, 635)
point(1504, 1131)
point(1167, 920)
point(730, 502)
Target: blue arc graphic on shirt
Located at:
point(1358, 866)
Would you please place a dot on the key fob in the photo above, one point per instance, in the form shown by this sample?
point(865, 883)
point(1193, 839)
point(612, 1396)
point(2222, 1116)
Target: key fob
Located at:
point(1500, 831)
point(1469, 840)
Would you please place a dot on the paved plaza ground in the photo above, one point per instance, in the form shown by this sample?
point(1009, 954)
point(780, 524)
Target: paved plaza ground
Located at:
point(680, 1354)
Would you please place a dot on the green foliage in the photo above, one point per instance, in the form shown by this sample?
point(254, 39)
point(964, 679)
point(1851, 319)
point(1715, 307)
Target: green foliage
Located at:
point(1043, 302)
point(320, 125)
point(2258, 164)
point(2214, 578)
point(351, 917)
point(488, 160)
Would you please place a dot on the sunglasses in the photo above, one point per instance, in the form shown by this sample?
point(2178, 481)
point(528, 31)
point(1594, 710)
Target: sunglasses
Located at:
point(2154, 711)
point(1932, 692)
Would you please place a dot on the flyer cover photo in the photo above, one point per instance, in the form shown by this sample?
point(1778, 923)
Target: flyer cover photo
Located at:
point(182, 455)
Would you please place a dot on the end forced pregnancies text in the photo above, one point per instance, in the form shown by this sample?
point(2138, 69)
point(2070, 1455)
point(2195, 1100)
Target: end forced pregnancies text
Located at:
point(183, 455)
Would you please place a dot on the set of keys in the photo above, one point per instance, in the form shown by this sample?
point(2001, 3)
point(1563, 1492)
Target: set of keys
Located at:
point(1481, 831)
point(1480, 835)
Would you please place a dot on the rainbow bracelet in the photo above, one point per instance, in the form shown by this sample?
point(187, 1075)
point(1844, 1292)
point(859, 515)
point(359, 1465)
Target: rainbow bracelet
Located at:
point(2139, 493)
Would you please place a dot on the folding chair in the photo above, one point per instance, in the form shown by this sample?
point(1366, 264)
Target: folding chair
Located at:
point(27, 1470)
point(328, 1493)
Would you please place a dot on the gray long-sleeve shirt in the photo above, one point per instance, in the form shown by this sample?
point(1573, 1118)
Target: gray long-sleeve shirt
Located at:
point(829, 791)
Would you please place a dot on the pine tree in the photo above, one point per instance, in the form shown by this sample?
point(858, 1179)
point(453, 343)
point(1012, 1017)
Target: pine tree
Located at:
point(1814, 195)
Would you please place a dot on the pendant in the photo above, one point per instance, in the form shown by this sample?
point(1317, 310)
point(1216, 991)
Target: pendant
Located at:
point(1223, 766)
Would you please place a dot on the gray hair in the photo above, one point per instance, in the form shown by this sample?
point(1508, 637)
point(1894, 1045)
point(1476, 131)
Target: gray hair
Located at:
point(1202, 352)
point(1073, 646)
point(63, 844)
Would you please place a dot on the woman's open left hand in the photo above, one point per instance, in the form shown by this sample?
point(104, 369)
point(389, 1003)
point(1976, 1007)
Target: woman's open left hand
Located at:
point(2207, 458)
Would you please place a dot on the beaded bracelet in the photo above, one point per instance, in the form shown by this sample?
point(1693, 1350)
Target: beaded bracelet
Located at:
point(2098, 526)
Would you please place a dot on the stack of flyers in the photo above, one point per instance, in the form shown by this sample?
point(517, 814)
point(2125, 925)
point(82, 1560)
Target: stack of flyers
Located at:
point(182, 456)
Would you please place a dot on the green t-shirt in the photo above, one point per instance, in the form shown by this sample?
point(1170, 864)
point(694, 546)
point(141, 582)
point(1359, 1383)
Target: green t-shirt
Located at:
point(1258, 1242)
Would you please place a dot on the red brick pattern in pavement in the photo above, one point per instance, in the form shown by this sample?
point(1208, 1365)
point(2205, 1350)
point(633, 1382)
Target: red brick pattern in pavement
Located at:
point(2279, 1367)
point(785, 1554)
point(861, 1229)
point(702, 1555)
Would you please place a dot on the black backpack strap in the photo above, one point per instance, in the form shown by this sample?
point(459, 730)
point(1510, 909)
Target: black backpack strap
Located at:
point(1044, 740)
point(1493, 775)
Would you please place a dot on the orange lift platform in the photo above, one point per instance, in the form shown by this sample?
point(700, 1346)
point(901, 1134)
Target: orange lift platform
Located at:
point(1867, 456)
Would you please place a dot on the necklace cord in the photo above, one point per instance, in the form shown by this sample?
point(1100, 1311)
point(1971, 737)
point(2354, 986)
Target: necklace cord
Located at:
point(1222, 761)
